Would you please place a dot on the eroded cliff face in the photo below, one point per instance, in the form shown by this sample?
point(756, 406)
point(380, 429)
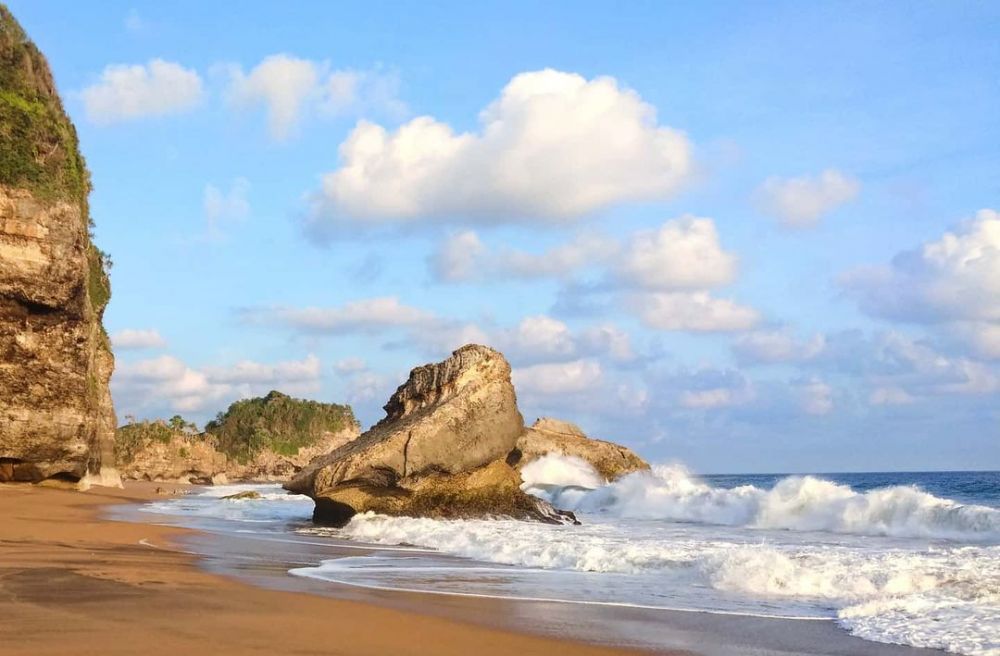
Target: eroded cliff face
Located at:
point(56, 416)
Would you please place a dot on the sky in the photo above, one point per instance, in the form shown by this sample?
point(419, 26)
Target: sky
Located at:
point(749, 237)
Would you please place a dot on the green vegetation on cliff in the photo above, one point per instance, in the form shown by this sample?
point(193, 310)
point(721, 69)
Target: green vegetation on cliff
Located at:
point(276, 422)
point(39, 149)
point(136, 435)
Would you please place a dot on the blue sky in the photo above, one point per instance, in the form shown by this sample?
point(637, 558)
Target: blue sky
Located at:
point(749, 237)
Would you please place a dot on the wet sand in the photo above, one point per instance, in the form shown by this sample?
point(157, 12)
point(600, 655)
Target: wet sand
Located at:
point(72, 581)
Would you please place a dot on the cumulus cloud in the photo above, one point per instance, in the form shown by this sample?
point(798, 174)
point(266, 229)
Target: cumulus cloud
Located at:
point(663, 275)
point(137, 339)
point(289, 86)
point(554, 146)
point(684, 253)
point(127, 92)
point(167, 383)
point(364, 315)
point(800, 202)
point(691, 312)
point(953, 281)
point(539, 337)
point(283, 84)
point(956, 277)
point(558, 378)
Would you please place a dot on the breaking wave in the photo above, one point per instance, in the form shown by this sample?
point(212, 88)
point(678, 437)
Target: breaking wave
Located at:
point(799, 503)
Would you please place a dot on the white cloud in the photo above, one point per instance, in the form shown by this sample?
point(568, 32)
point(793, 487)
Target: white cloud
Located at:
point(365, 315)
point(802, 201)
point(220, 206)
point(281, 82)
point(954, 278)
point(127, 92)
point(816, 397)
point(538, 337)
point(459, 257)
point(682, 254)
point(168, 383)
point(898, 361)
point(137, 339)
point(771, 346)
point(553, 146)
point(289, 87)
point(953, 281)
point(691, 311)
point(558, 378)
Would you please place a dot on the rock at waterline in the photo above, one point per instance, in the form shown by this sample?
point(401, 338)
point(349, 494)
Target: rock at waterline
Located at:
point(439, 452)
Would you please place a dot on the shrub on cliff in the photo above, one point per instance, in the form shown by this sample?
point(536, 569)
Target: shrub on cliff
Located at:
point(276, 422)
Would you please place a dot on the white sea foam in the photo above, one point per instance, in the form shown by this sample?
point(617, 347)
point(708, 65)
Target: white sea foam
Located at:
point(945, 596)
point(894, 564)
point(803, 503)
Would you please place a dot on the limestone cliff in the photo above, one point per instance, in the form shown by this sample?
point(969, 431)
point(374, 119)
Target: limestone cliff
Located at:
point(439, 452)
point(549, 435)
point(56, 416)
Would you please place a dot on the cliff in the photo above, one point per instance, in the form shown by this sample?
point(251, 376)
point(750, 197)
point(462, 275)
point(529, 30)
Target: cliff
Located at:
point(57, 420)
point(266, 438)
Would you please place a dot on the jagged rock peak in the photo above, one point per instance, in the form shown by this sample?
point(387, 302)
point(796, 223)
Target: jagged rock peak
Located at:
point(430, 384)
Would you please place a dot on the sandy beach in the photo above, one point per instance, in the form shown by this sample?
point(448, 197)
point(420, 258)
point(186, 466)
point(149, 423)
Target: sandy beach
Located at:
point(114, 587)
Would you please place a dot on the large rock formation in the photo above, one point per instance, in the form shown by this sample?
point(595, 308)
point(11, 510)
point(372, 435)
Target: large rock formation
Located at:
point(439, 452)
point(269, 438)
point(56, 417)
point(549, 435)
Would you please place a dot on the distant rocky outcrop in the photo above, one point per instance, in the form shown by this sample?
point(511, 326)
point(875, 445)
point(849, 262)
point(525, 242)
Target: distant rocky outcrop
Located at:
point(269, 438)
point(549, 435)
point(56, 415)
point(439, 452)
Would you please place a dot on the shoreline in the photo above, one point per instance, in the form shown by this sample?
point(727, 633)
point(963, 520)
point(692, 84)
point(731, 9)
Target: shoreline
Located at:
point(264, 560)
point(111, 586)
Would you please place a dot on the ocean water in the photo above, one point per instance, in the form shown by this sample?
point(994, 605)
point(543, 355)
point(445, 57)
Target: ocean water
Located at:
point(907, 558)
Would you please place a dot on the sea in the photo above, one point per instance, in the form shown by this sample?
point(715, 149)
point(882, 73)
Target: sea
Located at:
point(908, 558)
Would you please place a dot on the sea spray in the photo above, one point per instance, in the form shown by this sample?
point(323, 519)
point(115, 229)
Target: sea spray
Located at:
point(801, 503)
